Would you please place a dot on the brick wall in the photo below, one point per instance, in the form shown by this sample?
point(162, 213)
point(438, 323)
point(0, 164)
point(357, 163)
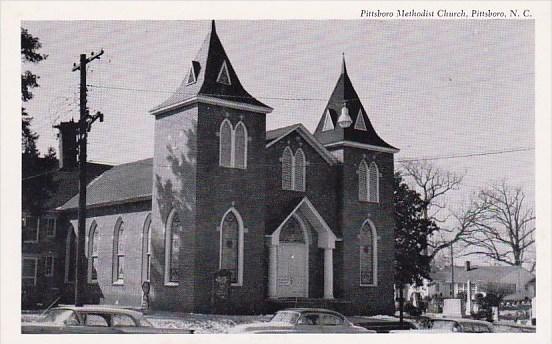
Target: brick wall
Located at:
point(174, 187)
point(367, 299)
point(219, 189)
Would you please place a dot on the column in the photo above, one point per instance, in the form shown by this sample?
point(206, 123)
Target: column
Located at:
point(272, 270)
point(328, 273)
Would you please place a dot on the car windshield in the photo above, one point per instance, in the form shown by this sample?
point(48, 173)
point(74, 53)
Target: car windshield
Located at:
point(285, 317)
point(444, 325)
point(59, 317)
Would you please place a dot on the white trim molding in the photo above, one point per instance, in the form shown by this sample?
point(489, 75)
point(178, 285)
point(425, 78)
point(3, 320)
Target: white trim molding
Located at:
point(168, 251)
point(212, 101)
point(362, 146)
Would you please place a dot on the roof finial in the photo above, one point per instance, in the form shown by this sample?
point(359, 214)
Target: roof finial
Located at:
point(213, 27)
point(343, 67)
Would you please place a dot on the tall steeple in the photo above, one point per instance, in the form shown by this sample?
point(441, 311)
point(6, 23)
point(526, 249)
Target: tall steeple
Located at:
point(361, 131)
point(211, 76)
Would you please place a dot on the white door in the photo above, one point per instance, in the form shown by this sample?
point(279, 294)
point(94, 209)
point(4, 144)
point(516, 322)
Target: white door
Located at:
point(292, 270)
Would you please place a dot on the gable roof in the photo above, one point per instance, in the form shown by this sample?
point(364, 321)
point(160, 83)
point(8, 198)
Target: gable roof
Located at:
point(207, 66)
point(123, 183)
point(66, 183)
point(276, 135)
point(344, 93)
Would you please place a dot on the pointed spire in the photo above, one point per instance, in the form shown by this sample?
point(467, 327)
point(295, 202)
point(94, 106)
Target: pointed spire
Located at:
point(213, 27)
point(343, 66)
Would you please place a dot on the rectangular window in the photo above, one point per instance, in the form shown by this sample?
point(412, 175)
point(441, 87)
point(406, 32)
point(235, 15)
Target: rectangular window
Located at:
point(48, 266)
point(30, 229)
point(50, 224)
point(29, 268)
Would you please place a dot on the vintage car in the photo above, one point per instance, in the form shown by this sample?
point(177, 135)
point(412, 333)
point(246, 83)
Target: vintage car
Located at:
point(94, 319)
point(302, 320)
point(447, 325)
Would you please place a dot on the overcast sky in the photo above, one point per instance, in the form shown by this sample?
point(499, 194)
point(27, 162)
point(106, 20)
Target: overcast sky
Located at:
point(433, 88)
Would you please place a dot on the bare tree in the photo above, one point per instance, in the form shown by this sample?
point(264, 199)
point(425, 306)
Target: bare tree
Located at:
point(505, 227)
point(434, 184)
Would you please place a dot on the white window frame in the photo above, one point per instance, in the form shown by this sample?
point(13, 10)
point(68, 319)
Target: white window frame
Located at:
point(193, 73)
point(93, 228)
point(233, 144)
point(304, 172)
point(37, 237)
point(116, 254)
point(360, 123)
point(373, 164)
point(49, 266)
point(233, 155)
point(366, 192)
point(168, 241)
point(328, 122)
point(54, 220)
point(224, 67)
point(241, 230)
point(35, 268)
point(374, 255)
point(292, 169)
point(226, 120)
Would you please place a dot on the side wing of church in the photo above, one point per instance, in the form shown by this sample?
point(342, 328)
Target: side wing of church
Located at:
point(293, 218)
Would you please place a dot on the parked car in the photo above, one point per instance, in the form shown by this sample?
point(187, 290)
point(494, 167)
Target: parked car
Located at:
point(302, 320)
point(93, 319)
point(445, 325)
point(385, 326)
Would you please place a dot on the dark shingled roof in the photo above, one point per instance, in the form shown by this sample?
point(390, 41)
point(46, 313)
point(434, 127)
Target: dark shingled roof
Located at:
point(276, 133)
point(67, 183)
point(126, 182)
point(344, 93)
point(207, 66)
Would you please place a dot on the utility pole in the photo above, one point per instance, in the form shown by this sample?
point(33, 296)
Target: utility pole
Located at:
point(452, 271)
point(85, 123)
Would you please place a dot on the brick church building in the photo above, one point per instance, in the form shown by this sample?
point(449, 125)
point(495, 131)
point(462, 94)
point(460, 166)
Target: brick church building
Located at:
point(295, 218)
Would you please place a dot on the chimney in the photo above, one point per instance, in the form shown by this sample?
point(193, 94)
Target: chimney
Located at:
point(468, 267)
point(67, 138)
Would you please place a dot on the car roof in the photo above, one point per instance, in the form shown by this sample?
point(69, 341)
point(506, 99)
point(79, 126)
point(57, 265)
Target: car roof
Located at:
point(306, 309)
point(101, 309)
point(471, 321)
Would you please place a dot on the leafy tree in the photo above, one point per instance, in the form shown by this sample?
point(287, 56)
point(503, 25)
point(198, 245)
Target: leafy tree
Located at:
point(37, 184)
point(29, 54)
point(412, 229)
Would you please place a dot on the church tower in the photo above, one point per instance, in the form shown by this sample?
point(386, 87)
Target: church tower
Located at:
point(365, 197)
point(208, 187)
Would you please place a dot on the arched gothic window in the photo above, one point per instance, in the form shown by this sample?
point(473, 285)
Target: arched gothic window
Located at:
point(231, 245)
point(368, 182)
point(93, 241)
point(146, 250)
point(294, 168)
point(287, 169)
point(173, 237)
point(233, 145)
point(373, 183)
point(119, 252)
point(70, 249)
point(368, 254)
point(299, 170)
point(240, 144)
point(225, 144)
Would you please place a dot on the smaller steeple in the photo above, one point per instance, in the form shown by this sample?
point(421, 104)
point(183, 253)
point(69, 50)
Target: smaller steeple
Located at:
point(345, 101)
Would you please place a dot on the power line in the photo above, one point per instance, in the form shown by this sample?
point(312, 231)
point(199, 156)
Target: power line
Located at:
point(523, 149)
